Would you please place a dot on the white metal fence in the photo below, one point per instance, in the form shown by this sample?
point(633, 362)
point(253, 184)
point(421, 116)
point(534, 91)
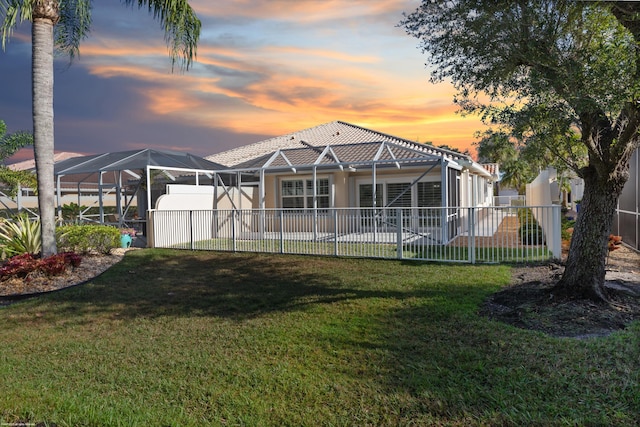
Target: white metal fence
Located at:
point(469, 235)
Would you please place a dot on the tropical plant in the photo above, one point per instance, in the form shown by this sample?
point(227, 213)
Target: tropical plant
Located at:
point(71, 211)
point(9, 145)
point(19, 235)
point(522, 154)
point(550, 70)
point(500, 147)
point(15, 180)
point(25, 265)
point(63, 24)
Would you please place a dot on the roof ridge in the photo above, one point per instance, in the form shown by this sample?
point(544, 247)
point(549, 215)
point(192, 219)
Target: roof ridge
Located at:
point(408, 141)
point(325, 134)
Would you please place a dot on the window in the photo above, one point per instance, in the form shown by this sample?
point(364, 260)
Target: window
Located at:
point(429, 194)
point(366, 195)
point(298, 193)
point(399, 194)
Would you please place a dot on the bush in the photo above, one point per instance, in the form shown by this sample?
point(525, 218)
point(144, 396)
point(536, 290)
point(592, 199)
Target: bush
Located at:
point(567, 228)
point(19, 266)
point(531, 235)
point(529, 231)
point(87, 238)
point(57, 264)
point(25, 265)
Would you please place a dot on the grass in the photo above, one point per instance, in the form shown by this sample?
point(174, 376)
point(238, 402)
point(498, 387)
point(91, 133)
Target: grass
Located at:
point(200, 338)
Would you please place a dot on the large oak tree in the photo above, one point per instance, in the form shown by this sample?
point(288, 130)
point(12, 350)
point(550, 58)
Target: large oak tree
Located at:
point(62, 24)
point(568, 66)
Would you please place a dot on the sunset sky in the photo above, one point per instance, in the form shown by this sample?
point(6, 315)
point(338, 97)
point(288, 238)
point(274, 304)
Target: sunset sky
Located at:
point(264, 68)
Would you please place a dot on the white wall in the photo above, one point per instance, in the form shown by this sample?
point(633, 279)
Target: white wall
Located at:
point(539, 192)
point(201, 197)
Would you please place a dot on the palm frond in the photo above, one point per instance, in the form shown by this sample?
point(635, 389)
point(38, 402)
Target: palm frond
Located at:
point(12, 11)
point(181, 27)
point(74, 26)
point(11, 143)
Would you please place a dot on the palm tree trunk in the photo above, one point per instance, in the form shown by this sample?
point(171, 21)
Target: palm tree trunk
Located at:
point(43, 137)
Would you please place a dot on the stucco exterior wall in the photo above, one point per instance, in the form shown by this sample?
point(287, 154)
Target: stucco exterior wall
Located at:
point(192, 197)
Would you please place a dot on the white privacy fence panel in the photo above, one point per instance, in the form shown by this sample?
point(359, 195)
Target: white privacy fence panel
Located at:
point(470, 235)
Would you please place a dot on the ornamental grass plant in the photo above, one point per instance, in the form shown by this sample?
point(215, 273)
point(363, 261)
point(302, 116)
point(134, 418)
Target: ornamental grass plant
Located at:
point(19, 235)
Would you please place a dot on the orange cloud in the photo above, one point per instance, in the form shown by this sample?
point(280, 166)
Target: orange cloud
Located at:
point(319, 53)
point(298, 11)
point(279, 87)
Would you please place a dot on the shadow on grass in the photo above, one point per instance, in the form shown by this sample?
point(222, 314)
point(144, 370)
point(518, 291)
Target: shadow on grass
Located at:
point(416, 352)
point(174, 283)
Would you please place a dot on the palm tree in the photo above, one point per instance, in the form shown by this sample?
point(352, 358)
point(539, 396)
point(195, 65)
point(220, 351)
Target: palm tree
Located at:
point(63, 24)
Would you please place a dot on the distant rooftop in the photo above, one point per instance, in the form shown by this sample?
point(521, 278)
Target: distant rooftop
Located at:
point(31, 163)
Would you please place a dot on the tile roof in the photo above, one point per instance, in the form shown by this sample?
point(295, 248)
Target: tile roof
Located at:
point(31, 163)
point(492, 168)
point(333, 133)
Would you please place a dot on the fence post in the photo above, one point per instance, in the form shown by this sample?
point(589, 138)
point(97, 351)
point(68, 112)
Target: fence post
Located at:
point(191, 230)
point(233, 230)
point(399, 232)
point(472, 235)
point(281, 231)
point(335, 231)
point(556, 247)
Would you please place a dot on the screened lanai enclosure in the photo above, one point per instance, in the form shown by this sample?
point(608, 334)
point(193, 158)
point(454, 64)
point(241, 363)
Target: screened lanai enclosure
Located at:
point(627, 220)
point(111, 188)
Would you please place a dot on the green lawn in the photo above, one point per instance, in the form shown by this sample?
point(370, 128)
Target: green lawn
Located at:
point(201, 338)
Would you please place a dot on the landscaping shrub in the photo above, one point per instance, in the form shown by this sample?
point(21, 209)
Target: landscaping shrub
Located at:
point(19, 235)
point(84, 239)
point(25, 265)
point(567, 228)
point(19, 266)
point(529, 231)
point(58, 263)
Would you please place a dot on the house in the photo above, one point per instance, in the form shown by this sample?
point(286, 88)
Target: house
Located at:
point(313, 176)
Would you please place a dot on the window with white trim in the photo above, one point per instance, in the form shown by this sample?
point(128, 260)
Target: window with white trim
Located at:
point(298, 193)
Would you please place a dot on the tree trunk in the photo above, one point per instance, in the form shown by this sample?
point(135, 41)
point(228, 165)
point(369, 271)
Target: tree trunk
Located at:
point(42, 98)
point(584, 273)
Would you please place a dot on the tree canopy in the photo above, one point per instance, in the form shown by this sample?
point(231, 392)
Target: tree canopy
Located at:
point(561, 76)
point(9, 145)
